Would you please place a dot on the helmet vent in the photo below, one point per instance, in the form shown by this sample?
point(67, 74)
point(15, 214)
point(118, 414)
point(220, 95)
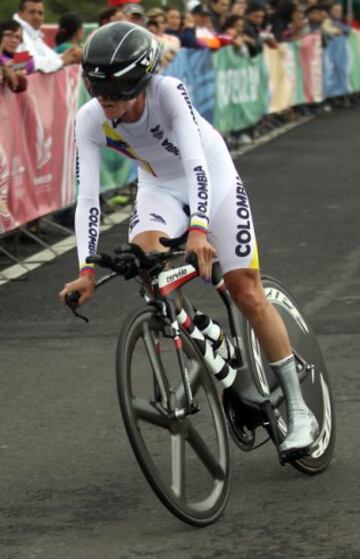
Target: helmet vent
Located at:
point(120, 43)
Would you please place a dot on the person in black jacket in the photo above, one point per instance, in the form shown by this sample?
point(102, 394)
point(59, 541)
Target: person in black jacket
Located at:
point(254, 20)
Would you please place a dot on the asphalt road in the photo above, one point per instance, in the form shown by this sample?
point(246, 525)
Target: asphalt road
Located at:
point(69, 485)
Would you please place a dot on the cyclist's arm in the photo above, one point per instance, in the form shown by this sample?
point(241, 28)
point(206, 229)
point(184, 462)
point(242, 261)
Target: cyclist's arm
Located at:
point(176, 102)
point(87, 216)
point(88, 135)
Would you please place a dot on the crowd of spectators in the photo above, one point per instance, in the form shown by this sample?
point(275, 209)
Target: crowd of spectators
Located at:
point(204, 24)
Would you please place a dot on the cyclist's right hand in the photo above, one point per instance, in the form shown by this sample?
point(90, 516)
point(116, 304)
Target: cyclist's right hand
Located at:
point(85, 285)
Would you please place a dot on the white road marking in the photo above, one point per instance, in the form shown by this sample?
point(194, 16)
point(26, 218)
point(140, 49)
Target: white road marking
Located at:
point(39, 258)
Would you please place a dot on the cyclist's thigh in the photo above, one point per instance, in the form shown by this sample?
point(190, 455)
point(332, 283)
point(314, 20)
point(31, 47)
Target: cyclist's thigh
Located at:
point(232, 230)
point(157, 210)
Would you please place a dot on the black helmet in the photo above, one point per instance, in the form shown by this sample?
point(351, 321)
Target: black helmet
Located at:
point(119, 59)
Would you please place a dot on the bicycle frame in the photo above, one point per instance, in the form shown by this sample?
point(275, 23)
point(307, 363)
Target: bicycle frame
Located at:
point(165, 287)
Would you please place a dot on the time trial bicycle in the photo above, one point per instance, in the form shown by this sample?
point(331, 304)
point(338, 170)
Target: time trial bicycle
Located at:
point(175, 416)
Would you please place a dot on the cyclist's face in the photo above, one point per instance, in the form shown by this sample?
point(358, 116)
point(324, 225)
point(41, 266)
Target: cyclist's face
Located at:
point(127, 110)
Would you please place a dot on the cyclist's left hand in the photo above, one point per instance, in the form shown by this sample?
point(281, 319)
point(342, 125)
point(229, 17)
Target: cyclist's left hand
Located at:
point(197, 242)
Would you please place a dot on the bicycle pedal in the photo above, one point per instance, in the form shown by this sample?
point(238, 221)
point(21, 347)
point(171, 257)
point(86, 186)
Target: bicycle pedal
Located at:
point(294, 454)
point(195, 407)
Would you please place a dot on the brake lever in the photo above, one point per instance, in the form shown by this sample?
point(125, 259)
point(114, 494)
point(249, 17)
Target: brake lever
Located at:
point(72, 301)
point(192, 259)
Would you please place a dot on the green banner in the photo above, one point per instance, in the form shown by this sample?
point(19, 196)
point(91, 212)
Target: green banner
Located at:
point(241, 90)
point(296, 70)
point(354, 48)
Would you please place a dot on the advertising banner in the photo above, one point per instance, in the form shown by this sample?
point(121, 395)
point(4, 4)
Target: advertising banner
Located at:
point(241, 90)
point(195, 68)
point(336, 59)
point(286, 82)
point(312, 67)
point(37, 149)
point(354, 54)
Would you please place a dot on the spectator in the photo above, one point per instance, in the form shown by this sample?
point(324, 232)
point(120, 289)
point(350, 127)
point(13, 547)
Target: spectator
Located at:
point(12, 38)
point(254, 20)
point(173, 19)
point(234, 27)
point(238, 8)
point(31, 17)
point(121, 3)
point(319, 22)
point(204, 29)
point(337, 18)
point(15, 81)
point(297, 27)
point(186, 32)
point(134, 13)
point(281, 16)
point(219, 10)
point(110, 14)
point(205, 32)
point(170, 43)
point(307, 3)
point(152, 26)
point(70, 33)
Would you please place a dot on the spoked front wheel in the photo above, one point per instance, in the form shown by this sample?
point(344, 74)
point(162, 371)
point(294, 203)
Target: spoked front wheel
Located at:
point(315, 384)
point(185, 459)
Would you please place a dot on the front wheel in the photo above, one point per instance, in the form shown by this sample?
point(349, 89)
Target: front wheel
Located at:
point(186, 459)
point(315, 387)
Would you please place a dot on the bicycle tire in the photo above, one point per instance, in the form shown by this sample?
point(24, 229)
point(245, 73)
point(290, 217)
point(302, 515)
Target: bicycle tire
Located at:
point(197, 513)
point(316, 387)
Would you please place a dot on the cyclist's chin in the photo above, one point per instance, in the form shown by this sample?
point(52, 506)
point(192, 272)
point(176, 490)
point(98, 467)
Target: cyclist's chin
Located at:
point(112, 112)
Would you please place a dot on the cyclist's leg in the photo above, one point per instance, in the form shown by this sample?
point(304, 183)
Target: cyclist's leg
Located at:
point(233, 236)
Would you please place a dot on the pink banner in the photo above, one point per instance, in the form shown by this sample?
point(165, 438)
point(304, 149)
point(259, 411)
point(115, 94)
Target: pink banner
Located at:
point(37, 150)
point(311, 62)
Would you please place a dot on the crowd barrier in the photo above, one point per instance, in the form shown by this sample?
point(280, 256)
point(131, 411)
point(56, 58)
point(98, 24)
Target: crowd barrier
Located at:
point(37, 152)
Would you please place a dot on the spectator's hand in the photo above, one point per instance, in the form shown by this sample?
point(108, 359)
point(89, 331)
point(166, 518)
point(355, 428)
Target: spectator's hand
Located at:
point(72, 55)
point(197, 242)
point(249, 40)
point(77, 54)
point(85, 285)
point(11, 78)
point(239, 41)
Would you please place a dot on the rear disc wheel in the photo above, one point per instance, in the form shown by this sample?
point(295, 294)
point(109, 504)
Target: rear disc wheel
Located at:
point(316, 387)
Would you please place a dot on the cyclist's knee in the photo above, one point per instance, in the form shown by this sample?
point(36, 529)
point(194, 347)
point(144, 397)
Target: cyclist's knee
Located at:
point(247, 292)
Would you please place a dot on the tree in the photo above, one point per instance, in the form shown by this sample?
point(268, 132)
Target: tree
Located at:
point(87, 9)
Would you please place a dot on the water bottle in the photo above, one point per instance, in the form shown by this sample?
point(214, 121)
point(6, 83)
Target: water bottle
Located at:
point(216, 336)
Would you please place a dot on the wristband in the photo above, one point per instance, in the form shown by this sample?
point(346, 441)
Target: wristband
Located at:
point(87, 269)
point(198, 229)
point(199, 223)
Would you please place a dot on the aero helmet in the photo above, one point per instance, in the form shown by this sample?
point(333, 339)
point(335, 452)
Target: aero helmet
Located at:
point(119, 60)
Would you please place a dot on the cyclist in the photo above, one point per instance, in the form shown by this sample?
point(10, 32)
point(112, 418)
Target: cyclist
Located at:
point(182, 160)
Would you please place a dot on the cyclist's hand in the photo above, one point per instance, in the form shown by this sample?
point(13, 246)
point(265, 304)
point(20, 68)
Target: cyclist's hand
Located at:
point(197, 242)
point(85, 285)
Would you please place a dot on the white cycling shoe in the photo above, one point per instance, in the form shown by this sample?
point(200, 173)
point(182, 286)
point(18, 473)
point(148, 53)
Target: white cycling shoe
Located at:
point(303, 429)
